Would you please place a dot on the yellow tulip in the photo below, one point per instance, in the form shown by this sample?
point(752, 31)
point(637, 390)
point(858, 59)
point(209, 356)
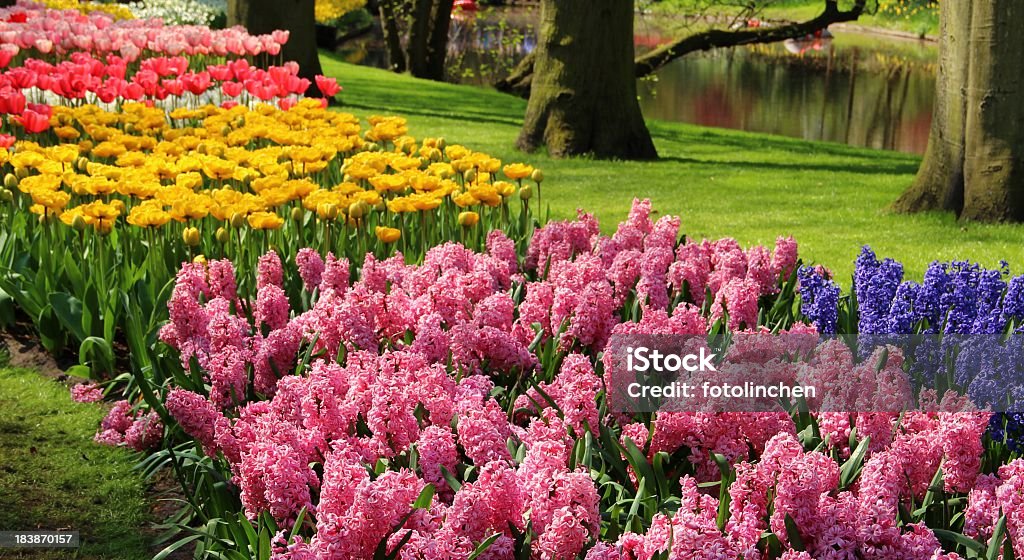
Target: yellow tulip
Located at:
point(388, 234)
point(265, 220)
point(191, 236)
point(516, 171)
point(468, 219)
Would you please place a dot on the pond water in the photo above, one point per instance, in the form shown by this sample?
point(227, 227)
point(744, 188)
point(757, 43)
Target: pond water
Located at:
point(856, 90)
point(861, 90)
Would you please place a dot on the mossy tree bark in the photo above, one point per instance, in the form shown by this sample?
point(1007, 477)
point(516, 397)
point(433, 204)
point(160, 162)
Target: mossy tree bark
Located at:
point(295, 16)
point(974, 164)
point(583, 97)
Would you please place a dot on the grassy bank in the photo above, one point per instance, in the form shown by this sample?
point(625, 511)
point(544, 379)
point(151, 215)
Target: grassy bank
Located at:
point(754, 187)
point(52, 475)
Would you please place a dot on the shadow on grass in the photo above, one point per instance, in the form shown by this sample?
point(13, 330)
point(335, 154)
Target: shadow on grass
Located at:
point(846, 167)
point(882, 161)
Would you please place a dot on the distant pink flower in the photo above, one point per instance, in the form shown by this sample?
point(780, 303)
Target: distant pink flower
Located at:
point(86, 392)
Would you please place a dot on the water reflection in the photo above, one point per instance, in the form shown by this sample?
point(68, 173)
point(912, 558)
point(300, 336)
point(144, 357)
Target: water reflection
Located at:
point(834, 90)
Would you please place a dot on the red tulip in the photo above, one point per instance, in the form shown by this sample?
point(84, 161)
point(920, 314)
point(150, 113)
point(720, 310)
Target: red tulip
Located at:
point(12, 101)
point(286, 103)
point(22, 78)
point(7, 52)
point(132, 92)
point(231, 89)
point(33, 122)
point(41, 108)
point(6, 140)
point(197, 83)
point(220, 72)
point(174, 87)
point(327, 86)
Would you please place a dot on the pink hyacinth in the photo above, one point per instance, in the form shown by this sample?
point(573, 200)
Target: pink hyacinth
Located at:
point(311, 268)
point(86, 393)
point(196, 415)
point(269, 271)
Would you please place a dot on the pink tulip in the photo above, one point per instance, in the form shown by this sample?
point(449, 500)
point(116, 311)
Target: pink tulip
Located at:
point(280, 37)
point(327, 86)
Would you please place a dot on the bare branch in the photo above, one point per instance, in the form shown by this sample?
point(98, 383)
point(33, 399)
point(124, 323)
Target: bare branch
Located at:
point(716, 38)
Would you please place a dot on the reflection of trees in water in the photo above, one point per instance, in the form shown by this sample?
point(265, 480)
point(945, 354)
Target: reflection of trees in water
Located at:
point(841, 95)
point(484, 48)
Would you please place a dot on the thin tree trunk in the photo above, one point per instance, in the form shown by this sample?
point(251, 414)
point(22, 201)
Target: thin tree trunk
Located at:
point(428, 38)
point(994, 154)
point(419, 35)
point(392, 37)
point(437, 47)
point(583, 98)
point(296, 16)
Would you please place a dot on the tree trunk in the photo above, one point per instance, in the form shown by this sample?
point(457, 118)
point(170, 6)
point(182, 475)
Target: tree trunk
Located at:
point(426, 23)
point(392, 38)
point(940, 180)
point(296, 16)
point(437, 44)
point(994, 155)
point(583, 97)
point(428, 38)
point(974, 164)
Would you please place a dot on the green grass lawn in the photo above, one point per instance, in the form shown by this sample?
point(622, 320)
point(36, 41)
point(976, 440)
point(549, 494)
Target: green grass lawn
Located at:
point(53, 476)
point(754, 187)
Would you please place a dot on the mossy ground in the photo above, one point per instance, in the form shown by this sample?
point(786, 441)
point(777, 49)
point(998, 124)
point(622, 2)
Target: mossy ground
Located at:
point(53, 476)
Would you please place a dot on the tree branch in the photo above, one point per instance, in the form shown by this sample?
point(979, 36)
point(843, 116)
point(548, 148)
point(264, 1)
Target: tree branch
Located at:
point(716, 38)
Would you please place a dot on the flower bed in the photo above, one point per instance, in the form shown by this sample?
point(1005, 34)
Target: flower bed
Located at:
point(459, 406)
point(140, 160)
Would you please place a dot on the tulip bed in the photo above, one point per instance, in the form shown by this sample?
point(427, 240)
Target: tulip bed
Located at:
point(139, 161)
point(344, 342)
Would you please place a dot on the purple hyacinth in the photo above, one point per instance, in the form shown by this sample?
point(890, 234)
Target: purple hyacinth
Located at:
point(927, 303)
point(902, 316)
point(819, 299)
point(875, 285)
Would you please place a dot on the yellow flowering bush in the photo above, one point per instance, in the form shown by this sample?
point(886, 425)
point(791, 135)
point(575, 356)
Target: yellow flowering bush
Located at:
point(328, 11)
point(118, 11)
